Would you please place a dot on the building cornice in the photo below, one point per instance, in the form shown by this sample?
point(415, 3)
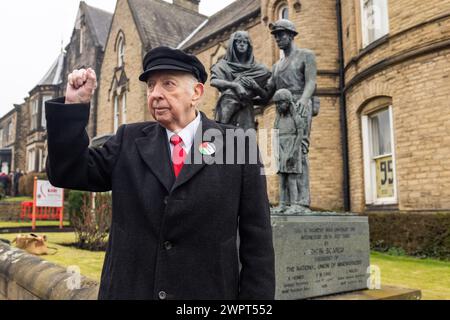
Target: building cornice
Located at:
point(389, 38)
point(397, 59)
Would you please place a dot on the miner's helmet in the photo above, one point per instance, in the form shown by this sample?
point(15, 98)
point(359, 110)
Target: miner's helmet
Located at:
point(283, 25)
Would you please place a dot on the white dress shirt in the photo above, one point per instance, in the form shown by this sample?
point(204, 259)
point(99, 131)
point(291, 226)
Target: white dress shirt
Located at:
point(187, 134)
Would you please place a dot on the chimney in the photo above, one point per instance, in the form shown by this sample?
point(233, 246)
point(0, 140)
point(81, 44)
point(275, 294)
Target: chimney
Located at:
point(191, 5)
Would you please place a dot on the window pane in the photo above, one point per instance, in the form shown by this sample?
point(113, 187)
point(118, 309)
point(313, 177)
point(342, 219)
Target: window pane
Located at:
point(43, 119)
point(385, 177)
point(375, 20)
point(283, 12)
point(116, 113)
point(120, 52)
point(124, 108)
point(381, 134)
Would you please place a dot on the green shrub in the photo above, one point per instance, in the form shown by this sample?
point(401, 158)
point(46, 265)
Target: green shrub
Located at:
point(415, 234)
point(75, 202)
point(398, 252)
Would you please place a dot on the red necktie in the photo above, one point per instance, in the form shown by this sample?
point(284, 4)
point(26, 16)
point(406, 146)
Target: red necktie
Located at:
point(178, 154)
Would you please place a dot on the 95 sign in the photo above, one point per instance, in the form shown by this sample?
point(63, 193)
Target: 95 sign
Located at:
point(385, 177)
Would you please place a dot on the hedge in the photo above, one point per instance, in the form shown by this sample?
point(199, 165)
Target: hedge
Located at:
point(415, 234)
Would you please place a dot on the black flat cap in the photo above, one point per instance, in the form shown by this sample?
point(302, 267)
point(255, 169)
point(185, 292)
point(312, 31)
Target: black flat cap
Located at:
point(165, 58)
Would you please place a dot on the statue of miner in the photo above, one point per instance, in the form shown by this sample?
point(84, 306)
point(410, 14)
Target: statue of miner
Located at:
point(296, 71)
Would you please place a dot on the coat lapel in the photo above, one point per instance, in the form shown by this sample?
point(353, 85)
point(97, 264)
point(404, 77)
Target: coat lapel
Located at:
point(154, 150)
point(196, 161)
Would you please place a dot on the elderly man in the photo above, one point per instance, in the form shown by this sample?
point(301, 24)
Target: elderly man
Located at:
point(176, 219)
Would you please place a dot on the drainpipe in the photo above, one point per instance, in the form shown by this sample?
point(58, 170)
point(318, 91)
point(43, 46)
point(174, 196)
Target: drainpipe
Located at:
point(343, 110)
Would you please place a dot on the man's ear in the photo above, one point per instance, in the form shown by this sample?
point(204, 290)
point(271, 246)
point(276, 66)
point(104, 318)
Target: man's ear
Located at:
point(199, 90)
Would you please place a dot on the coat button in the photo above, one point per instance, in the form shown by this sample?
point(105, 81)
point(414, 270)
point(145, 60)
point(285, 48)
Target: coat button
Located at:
point(166, 200)
point(162, 295)
point(168, 245)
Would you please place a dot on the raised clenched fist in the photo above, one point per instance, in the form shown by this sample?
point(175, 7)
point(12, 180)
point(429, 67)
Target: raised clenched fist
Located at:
point(81, 86)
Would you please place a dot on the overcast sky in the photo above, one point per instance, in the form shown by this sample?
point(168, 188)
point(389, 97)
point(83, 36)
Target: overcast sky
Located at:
point(32, 33)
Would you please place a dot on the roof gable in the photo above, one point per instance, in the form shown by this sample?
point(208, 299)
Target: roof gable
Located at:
point(54, 74)
point(225, 18)
point(161, 23)
point(99, 22)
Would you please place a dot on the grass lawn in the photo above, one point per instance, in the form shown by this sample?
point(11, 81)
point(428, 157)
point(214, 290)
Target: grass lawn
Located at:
point(16, 224)
point(17, 199)
point(430, 276)
point(90, 263)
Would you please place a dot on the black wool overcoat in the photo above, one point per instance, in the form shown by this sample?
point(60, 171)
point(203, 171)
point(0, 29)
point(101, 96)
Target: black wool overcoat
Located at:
point(203, 235)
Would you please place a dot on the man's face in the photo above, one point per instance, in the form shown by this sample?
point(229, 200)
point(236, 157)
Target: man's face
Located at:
point(283, 39)
point(171, 98)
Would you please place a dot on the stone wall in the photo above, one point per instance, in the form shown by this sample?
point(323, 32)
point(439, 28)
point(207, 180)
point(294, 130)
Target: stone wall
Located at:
point(27, 277)
point(23, 126)
point(136, 91)
point(411, 67)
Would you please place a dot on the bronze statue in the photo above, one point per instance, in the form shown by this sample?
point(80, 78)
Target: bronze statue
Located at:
point(296, 71)
point(240, 80)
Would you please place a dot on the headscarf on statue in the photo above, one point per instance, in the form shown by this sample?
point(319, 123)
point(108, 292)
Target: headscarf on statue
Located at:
point(230, 108)
point(231, 69)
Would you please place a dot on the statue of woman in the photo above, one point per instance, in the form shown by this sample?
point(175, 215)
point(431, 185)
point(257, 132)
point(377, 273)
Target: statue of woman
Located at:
point(240, 80)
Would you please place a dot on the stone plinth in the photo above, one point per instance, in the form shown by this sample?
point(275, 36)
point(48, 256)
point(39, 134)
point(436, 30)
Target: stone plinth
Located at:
point(320, 255)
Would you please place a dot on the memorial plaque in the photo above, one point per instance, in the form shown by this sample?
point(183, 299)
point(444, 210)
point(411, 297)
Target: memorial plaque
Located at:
point(320, 255)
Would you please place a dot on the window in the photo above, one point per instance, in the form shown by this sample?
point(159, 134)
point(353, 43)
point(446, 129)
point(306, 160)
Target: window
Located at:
point(379, 158)
point(82, 24)
point(41, 165)
point(120, 110)
point(283, 12)
point(31, 160)
point(10, 131)
point(34, 113)
point(1, 138)
point(124, 108)
point(43, 119)
point(375, 20)
point(81, 39)
point(120, 51)
point(116, 112)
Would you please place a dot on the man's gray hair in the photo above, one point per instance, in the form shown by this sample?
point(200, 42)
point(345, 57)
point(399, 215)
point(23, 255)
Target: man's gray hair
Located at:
point(192, 81)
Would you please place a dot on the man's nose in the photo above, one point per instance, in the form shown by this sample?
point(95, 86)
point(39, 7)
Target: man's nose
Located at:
point(156, 92)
